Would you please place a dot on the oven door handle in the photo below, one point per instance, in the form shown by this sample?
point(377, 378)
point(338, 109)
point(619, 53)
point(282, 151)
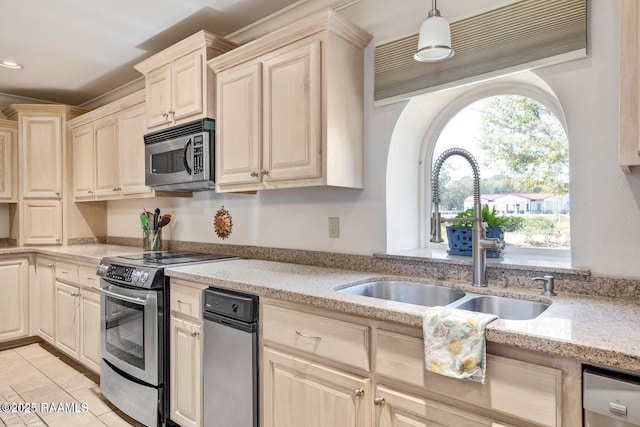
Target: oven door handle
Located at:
point(133, 300)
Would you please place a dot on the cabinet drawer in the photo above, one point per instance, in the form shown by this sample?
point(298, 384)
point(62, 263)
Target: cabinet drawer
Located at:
point(186, 299)
point(329, 338)
point(520, 389)
point(87, 277)
point(67, 272)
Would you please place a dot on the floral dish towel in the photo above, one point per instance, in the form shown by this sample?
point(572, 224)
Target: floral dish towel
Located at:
point(454, 342)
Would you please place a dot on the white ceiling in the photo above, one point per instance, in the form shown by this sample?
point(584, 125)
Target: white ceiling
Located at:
point(74, 51)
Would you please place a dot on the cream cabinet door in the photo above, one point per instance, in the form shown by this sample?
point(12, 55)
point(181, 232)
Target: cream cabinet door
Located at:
point(8, 142)
point(158, 95)
point(292, 114)
point(132, 127)
point(67, 318)
point(398, 409)
point(14, 283)
point(42, 222)
point(42, 157)
point(186, 372)
point(90, 353)
point(83, 162)
point(107, 158)
point(297, 392)
point(238, 126)
point(45, 297)
point(186, 87)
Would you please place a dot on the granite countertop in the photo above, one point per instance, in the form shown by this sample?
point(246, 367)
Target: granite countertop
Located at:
point(592, 330)
point(78, 253)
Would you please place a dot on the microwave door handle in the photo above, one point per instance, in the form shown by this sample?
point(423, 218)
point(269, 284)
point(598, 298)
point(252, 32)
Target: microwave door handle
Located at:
point(184, 157)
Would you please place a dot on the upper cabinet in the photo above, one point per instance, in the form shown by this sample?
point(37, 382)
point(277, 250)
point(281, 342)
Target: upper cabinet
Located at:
point(629, 84)
point(290, 108)
point(41, 160)
point(8, 160)
point(178, 84)
point(108, 151)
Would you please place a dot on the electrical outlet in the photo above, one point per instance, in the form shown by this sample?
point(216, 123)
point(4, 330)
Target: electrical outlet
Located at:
point(334, 227)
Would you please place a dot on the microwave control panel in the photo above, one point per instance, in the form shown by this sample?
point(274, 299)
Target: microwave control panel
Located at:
point(198, 155)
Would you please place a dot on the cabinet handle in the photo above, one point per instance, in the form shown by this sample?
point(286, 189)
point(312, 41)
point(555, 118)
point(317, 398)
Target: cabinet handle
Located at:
point(264, 172)
point(195, 334)
point(90, 191)
point(57, 193)
point(307, 336)
point(358, 393)
point(75, 294)
point(165, 115)
point(379, 401)
point(173, 113)
point(254, 174)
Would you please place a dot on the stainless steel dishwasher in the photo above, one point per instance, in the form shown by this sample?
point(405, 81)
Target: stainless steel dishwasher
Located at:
point(230, 358)
point(610, 399)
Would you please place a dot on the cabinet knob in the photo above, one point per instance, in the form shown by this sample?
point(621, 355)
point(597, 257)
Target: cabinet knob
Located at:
point(90, 191)
point(195, 334)
point(50, 265)
point(254, 174)
point(358, 393)
point(57, 193)
point(165, 115)
point(379, 401)
point(173, 113)
point(264, 172)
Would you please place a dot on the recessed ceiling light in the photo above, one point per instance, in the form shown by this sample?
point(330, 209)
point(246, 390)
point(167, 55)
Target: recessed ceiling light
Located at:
point(10, 64)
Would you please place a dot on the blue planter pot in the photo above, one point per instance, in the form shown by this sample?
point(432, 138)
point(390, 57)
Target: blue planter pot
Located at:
point(460, 242)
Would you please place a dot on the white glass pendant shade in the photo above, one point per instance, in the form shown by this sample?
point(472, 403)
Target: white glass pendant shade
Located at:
point(434, 41)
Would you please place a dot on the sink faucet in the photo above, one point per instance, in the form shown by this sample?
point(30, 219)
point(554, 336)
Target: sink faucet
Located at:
point(479, 240)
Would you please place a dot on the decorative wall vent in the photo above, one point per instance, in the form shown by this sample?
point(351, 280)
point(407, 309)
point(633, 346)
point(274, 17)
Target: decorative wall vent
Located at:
point(518, 35)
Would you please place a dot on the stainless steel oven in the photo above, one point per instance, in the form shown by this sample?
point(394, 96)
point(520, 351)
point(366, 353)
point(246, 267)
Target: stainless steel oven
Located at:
point(181, 158)
point(134, 305)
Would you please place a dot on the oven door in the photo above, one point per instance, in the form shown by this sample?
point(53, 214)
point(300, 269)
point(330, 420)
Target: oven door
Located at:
point(130, 335)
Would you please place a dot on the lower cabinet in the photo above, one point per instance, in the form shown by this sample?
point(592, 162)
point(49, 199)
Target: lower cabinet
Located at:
point(185, 364)
point(14, 309)
point(298, 392)
point(45, 293)
point(395, 408)
point(302, 383)
point(90, 353)
point(186, 372)
point(68, 305)
point(67, 319)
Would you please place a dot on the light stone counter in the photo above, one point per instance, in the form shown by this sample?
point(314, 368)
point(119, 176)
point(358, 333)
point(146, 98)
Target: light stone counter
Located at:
point(591, 330)
point(78, 253)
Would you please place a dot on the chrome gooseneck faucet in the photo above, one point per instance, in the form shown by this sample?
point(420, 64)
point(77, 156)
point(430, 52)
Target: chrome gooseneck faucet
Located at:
point(480, 242)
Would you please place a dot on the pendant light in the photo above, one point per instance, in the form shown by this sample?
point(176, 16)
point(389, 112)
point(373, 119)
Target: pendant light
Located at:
point(434, 42)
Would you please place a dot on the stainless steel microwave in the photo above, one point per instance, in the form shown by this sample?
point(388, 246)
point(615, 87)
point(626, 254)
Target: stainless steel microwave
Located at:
point(181, 158)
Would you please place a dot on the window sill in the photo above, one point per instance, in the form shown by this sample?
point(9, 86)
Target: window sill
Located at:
point(510, 261)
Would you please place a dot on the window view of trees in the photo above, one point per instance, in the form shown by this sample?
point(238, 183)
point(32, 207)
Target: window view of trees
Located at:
point(523, 154)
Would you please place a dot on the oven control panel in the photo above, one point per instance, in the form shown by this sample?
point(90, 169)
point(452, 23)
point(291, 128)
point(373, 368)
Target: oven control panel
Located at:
point(125, 273)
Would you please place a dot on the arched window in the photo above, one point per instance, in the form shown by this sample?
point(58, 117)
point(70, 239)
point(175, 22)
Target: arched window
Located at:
point(523, 153)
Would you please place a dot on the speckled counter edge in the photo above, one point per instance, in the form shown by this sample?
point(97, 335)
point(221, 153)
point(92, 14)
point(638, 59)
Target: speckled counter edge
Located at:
point(578, 281)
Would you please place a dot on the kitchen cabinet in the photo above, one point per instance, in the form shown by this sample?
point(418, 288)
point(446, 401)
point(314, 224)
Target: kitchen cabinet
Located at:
point(14, 309)
point(45, 297)
point(629, 84)
point(41, 209)
point(305, 348)
point(186, 377)
point(8, 160)
point(67, 322)
point(41, 160)
point(42, 222)
point(108, 151)
point(298, 392)
point(68, 305)
point(290, 108)
point(178, 84)
point(90, 353)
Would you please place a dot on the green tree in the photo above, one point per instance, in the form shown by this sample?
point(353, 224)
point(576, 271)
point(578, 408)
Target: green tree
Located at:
point(526, 142)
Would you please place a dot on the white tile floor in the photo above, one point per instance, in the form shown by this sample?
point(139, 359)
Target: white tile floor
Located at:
point(37, 376)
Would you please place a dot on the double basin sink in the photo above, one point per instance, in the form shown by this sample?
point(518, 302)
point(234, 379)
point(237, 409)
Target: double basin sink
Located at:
point(430, 295)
